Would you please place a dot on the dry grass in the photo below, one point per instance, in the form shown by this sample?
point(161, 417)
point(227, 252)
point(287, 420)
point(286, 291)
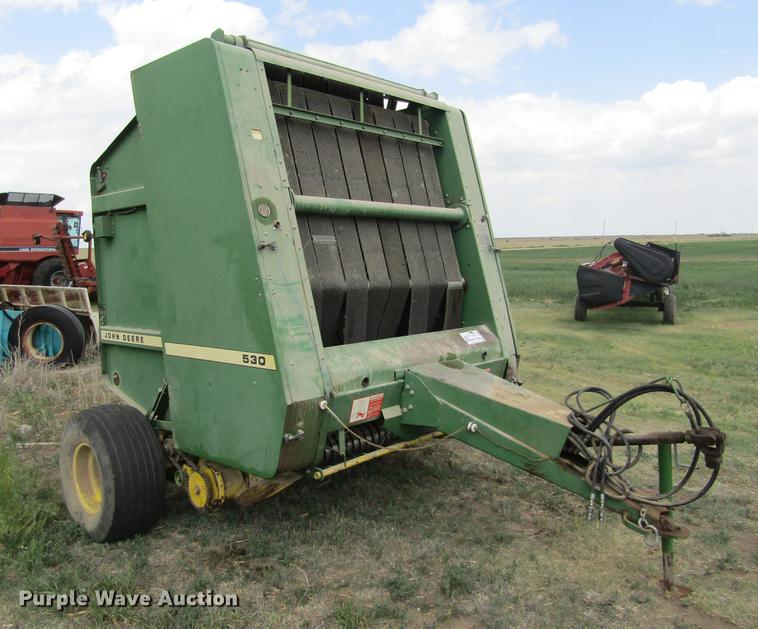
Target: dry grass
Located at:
point(35, 400)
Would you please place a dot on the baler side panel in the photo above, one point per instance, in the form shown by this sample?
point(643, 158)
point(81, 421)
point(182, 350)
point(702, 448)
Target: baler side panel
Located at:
point(485, 301)
point(126, 283)
point(127, 297)
point(195, 121)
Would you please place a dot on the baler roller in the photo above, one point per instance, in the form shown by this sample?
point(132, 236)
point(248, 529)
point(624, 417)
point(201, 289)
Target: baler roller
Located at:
point(376, 209)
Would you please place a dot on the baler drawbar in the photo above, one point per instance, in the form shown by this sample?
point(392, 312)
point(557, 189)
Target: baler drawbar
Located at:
point(358, 307)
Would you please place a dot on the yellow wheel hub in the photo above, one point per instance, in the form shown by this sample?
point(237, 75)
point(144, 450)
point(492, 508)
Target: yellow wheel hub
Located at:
point(198, 491)
point(87, 479)
point(205, 487)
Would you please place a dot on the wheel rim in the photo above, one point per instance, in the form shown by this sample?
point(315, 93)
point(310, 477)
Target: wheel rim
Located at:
point(42, 341)
point(87, 479)
point(60, 279)
point(198, 490)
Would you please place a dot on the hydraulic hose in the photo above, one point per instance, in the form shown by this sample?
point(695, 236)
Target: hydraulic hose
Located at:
point(595, 435)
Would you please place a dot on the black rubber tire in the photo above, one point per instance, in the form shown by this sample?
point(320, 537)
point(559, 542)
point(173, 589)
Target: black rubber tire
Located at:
point(580, 310)
point(45, 270)
point(71, 329)
point(669, 309)
point(131, 467)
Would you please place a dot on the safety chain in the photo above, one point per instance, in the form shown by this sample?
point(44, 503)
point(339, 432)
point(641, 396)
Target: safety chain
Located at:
point(651, 536)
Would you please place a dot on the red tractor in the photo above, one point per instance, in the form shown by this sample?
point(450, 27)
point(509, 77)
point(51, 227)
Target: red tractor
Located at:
point(39, 244)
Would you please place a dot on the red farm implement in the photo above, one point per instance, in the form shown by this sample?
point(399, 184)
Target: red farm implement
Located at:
point(634, 275)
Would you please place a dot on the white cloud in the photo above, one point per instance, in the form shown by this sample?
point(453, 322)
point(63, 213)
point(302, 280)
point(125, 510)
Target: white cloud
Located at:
point(57, 118)
point(681, 152)
point(157, 26)
point(38, 5)
point(297, 14)
point(459, 35)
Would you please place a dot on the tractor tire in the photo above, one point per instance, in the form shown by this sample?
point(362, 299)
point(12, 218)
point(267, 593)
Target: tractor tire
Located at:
point(65, 324)
point(580, 310)
point(50, 273)
point(112, 472)
point(669, 309)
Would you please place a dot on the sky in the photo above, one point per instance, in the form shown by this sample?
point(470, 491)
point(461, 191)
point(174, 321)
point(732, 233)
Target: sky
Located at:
point(640, 115)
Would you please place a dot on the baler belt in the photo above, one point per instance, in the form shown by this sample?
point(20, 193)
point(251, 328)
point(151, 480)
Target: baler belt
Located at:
point(429, 168)
point(372, 159)
point(329, 158)
point(367, 228)
point(309, 253)
point(378, 275)
point(427, 231)
point(350, 150)
point(309, 172)
point(304, 150)
point(399, 280)
point(410, 157)
point(370, 278)
point(400, 284)
point(418, 317)
point(351, 325)
point(284, 138)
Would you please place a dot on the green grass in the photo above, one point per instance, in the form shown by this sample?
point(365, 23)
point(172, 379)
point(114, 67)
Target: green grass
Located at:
point(721, 274)
point(440, 537)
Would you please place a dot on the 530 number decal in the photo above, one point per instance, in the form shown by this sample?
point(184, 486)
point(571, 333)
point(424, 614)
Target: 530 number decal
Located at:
point(254, 360)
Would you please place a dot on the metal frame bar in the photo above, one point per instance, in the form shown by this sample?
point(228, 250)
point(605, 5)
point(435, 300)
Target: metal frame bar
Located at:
point(335, 121)
point(319, 473)
point(330, 206)
point(301, 63)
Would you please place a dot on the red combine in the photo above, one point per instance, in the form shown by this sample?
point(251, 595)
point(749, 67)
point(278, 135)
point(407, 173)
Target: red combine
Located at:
point(39, 244)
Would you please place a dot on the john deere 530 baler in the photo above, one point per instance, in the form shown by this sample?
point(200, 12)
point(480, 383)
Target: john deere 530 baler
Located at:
point(296, 275)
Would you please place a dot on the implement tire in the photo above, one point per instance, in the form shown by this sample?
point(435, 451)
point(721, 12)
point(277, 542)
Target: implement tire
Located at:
point(669, 309)
point(50, 272)
point(65, 325)
point(112, 472)
point(580, 310)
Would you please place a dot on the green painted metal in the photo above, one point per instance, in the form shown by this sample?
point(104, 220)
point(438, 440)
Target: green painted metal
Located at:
point(489, 413)
point(376, 209)
point(665, 484)
point(356, 125)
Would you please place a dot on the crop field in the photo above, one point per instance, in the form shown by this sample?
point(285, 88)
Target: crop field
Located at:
point(444, 536)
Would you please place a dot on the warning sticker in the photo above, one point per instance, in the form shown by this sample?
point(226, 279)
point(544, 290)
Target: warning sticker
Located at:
point(472, 337)
point(369, 407)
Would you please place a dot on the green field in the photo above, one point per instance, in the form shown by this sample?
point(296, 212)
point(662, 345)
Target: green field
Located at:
point(444, 536)
point(722, 274)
